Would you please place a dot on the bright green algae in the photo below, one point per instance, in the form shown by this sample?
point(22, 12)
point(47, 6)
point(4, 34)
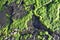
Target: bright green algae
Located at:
point(47, 10)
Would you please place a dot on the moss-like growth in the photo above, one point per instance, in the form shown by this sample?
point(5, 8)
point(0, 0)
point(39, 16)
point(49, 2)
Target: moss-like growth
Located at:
point(46, 10)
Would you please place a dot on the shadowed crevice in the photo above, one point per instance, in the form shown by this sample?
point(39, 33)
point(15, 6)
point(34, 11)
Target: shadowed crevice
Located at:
point(38, 25)
point(11, 15)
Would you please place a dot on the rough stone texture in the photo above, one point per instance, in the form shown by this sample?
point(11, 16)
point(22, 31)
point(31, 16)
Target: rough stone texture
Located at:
point(19, 11)
point(3, 18)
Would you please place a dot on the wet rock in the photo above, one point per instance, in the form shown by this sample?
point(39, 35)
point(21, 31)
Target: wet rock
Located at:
point(3, 18)
point(37, 24)
point(19, 11)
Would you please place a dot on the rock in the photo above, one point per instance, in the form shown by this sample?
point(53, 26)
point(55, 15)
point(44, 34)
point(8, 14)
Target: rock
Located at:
point(19, 11)
point(3, 18)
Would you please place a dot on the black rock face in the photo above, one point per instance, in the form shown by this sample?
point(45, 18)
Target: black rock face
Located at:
point(38, 25)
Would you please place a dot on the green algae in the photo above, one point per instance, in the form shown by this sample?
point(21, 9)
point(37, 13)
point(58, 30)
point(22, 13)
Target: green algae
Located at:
point(22, 23)
point(49, 16)
point(3, 2)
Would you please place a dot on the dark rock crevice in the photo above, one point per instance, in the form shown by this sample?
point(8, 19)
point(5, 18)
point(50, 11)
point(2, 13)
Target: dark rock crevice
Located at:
point(11, 15)
point(38, 25)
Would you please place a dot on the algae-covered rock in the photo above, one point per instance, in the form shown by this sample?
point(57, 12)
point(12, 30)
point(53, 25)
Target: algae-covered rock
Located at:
point(34, 19)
